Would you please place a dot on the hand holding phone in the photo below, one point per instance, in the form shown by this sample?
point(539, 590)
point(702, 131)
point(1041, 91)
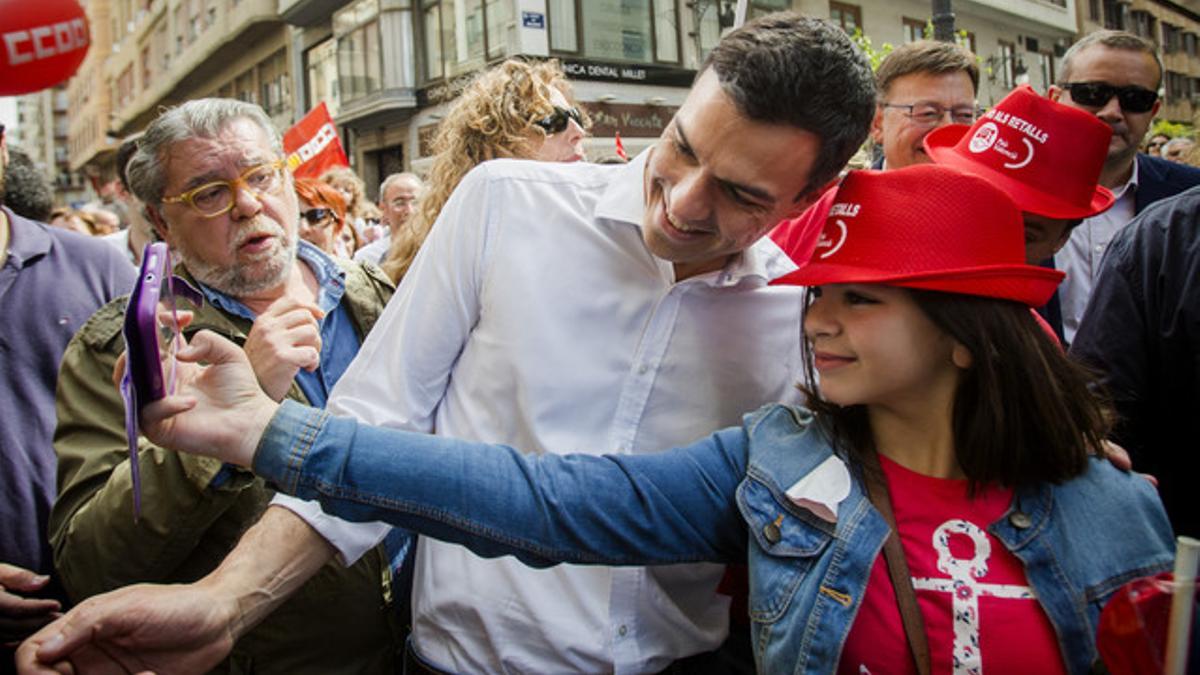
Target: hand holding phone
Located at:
point(153, 331)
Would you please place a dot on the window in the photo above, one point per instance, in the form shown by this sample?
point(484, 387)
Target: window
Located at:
point(849, 17)
point(244, 89)
point(711, 20)
point(144, 62)
point(273, 80)
point(1006, 68)
point(1094, 13)
point(1190, 44)
point(461, 35)
point(1046, 68)
point(641, 31)
point(966, 40)
point(1172, 38)
point(1177, 86)
point(359, 61)
point(1143, 24)
point(321, 68)
point(914, 29)
point(1116, 14)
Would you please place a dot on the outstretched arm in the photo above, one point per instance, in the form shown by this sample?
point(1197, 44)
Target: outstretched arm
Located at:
point(661, 508)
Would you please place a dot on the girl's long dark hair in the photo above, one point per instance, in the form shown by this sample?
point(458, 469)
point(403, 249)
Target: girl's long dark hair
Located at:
point(1024, 413)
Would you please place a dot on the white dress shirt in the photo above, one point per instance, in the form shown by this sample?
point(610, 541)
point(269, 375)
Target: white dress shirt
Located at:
point(1080, 258)
point(534, 316)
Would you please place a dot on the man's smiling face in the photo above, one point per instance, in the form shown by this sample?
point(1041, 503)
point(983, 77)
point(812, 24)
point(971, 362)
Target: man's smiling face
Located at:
point(717, 181)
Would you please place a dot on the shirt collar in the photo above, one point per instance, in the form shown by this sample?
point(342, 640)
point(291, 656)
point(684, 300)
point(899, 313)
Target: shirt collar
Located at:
point(624, 200)
point(1130, 185)
point(27, 240)
point(331, 284)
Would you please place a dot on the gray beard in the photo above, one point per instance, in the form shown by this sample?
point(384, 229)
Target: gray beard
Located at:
point(232, 280)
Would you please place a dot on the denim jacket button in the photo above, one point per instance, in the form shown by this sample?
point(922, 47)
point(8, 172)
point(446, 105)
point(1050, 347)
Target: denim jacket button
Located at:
point(1020, 520)
point(772, 533)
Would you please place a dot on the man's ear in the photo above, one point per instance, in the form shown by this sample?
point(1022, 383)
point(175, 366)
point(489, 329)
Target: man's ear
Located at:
point(877, 126)
point(159, 223)
point(1054, 93)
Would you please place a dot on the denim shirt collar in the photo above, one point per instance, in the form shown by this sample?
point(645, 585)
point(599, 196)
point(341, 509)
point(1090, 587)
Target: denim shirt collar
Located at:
point(331, 284)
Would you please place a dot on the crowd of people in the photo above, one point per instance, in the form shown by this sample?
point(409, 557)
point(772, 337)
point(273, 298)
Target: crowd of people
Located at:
point(726, 407)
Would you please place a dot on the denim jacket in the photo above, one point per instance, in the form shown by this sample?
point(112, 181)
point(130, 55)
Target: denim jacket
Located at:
point(721, 499)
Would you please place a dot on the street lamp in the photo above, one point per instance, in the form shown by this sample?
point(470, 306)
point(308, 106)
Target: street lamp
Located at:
point(943, 21)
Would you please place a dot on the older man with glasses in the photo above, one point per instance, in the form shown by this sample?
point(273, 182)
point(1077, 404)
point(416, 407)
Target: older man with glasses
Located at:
point(1116, 77)
point(922, 85)
point(212, 177)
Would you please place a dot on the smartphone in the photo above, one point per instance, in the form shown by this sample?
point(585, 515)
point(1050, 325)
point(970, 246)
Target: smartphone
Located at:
point(152, 334)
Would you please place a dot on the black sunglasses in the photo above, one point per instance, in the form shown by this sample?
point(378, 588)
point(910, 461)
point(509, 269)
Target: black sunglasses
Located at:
point(559, 119)
point(1132, 98)
point(315, 216)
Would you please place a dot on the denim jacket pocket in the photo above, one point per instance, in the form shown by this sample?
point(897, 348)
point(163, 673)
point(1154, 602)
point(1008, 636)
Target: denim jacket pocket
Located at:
point(786, 543)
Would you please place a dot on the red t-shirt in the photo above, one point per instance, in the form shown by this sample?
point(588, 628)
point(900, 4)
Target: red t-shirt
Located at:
point(980, 614)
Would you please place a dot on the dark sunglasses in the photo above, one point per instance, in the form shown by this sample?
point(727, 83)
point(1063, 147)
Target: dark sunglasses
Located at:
point(1132, 98)
point(317, 215)
point(559, 119)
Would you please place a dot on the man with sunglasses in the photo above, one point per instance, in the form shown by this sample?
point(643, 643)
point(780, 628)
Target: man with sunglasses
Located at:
point(211, 176)
point(1115, 76)
point(51, 281)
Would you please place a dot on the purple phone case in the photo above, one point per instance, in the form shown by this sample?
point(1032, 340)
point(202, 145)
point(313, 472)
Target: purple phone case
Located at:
point(144, 381)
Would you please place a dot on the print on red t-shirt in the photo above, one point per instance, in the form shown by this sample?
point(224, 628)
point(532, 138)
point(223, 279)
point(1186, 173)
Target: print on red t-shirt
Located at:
point(980, 614)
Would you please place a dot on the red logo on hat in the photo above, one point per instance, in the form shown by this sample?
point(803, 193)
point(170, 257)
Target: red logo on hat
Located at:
point(984, 137)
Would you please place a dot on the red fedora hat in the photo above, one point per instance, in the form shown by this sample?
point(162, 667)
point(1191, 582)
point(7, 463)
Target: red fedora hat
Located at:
point(929, 227)
point(1045, 155)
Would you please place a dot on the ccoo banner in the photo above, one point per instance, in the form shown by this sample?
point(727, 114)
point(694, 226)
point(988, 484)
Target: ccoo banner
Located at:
point(313, 146)
point(42, 43)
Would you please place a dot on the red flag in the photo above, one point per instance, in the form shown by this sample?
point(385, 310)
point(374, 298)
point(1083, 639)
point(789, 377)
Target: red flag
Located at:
point(313, 145)
point(620, 147)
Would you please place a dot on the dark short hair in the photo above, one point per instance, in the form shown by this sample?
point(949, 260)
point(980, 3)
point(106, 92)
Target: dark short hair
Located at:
point(25, 189)
point(786, 68)
point(1113, 39)
point(1024, 413)
point(926, 56)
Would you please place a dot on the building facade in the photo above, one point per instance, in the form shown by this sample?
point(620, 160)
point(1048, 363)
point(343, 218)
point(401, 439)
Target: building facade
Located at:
point(387, 69)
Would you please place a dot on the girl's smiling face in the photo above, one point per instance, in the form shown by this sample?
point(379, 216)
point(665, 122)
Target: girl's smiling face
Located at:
point(873, 346)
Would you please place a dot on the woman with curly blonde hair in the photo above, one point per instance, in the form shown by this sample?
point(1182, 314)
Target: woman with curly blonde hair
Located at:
point(517, 109)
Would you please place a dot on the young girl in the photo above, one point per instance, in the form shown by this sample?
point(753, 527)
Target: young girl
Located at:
point(944, 413)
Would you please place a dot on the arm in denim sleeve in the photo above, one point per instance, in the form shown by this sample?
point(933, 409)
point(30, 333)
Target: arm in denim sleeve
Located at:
point(670, 507)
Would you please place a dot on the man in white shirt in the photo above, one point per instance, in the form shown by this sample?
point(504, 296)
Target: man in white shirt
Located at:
point(398, 196)
point(579, 308)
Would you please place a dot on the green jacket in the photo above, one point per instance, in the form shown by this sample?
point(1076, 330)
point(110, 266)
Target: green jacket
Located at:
point(339, 622)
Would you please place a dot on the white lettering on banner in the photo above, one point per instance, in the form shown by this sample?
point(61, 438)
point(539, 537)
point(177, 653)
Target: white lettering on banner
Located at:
point(324, 136)
point(24, 46)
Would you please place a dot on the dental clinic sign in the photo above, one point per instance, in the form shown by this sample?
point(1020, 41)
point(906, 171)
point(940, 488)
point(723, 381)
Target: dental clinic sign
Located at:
point(42, 43)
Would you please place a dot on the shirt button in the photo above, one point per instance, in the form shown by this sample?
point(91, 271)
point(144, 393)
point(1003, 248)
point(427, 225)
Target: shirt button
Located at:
point(1020, 520)
point(643, 369)
point(622, 631)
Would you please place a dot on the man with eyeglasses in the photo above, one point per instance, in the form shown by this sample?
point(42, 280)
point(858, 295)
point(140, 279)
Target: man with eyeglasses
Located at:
point(1115, 76)
point(922, 86)
point(51, 281)
point(213, 180)
point(398, 195)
